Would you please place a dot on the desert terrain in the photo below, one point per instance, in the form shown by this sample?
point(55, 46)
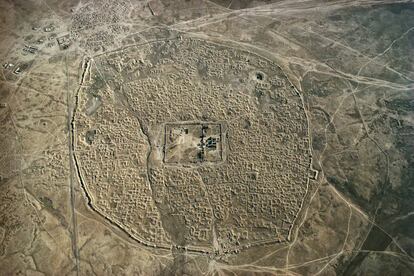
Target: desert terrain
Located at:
point(206, 137)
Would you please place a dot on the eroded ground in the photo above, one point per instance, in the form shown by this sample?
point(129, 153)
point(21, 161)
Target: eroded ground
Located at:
point(206, 138)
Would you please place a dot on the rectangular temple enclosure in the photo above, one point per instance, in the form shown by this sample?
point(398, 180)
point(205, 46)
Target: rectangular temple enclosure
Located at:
point(193, 143)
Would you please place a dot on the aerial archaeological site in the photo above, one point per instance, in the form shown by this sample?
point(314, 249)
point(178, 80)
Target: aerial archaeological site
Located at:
point(206, 137)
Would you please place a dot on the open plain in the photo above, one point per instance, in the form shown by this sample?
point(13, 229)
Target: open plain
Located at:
point(206, 137)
